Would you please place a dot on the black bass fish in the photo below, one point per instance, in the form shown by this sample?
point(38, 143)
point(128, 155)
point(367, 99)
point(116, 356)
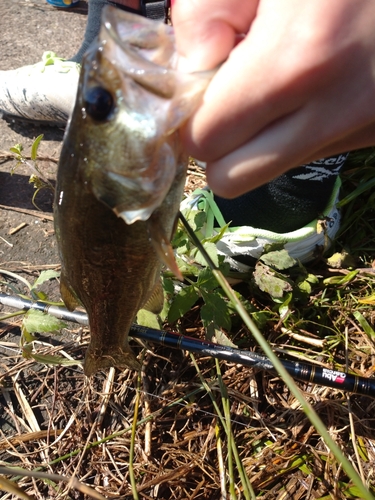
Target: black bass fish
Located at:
point(120, 180)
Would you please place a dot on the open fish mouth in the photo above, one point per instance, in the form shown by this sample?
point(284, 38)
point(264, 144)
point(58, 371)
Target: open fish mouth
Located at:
point(131, 80)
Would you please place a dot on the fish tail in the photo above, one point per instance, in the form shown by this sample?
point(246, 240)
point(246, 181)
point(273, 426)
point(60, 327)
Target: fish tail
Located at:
point(118, 358)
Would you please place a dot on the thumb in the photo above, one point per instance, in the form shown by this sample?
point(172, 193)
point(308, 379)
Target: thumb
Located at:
point(207, 30)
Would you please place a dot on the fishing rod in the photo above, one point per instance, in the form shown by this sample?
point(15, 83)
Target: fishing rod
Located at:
point(306, 372)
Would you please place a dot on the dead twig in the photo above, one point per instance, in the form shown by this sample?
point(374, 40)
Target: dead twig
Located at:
point(33, 213)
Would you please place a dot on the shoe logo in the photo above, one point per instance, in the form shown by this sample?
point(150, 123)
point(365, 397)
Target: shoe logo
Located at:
point(315, 171)
point(324, 222)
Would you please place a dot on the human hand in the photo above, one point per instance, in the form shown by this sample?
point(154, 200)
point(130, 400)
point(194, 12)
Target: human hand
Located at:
point(298, 87)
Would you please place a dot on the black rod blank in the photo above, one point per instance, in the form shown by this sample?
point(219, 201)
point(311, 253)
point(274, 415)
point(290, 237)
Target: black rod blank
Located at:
point(302, 371)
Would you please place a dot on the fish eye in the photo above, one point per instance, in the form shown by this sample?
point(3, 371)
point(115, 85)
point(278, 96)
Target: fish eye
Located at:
point(98, 103)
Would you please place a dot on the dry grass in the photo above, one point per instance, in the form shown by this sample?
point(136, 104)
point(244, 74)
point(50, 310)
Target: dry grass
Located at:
point(55, 421)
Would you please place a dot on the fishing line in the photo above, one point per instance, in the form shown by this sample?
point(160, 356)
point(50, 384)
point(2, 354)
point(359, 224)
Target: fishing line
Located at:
point(306, 372)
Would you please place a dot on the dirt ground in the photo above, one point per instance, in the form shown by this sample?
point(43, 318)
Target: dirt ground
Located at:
point(28, 28)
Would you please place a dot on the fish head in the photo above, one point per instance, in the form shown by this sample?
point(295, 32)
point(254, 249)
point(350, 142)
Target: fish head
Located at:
point(131, 101)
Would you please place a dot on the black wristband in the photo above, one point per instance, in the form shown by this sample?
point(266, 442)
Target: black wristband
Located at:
point(154, 9)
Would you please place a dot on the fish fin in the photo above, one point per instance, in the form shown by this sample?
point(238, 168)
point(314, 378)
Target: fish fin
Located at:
point(70, 299)
point(119, 358)
point(155, 302)
point(163, 247)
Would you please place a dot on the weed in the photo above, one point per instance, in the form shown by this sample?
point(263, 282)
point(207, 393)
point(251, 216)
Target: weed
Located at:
point(37, 178)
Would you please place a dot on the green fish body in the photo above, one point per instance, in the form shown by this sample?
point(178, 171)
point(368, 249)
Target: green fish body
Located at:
point(120, 180)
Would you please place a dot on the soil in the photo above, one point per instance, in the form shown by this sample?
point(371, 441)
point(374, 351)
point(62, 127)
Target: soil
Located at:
point(27, 241)
point(28, 29)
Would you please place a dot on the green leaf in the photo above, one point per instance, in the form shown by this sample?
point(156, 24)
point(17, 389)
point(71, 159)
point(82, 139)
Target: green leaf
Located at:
point(350, 489)
point(163, 315)
point(180, 241)
point(284, 308)
point(341, 280)
point(37, 321)
point(217, 237)
point(45, 276)
point(305, 469)
point(279, 260)
point(50, 359)
point(17, 149)
point(206, 279)
point(363, 186)
point(41, 295)
point(26, 337)
point(218, 336)
point(197, 220)
point(304, 286)
point(364, 324)
point(311, 278)
point(168, 286)
point(182, 303)
point(261, 318)
point(148, 318)
point(340, 260)
point(212, 252)
point(268, 282)
point(182, 247)
point(215, 311)
point(35, 146)
point(186, 267)
point(250, 308)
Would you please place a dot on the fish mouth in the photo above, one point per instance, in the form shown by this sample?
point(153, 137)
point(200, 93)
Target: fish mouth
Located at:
point(149, 101)
point(152, 99)
point(131, 216)
point(135, 198)
point(145, 199)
